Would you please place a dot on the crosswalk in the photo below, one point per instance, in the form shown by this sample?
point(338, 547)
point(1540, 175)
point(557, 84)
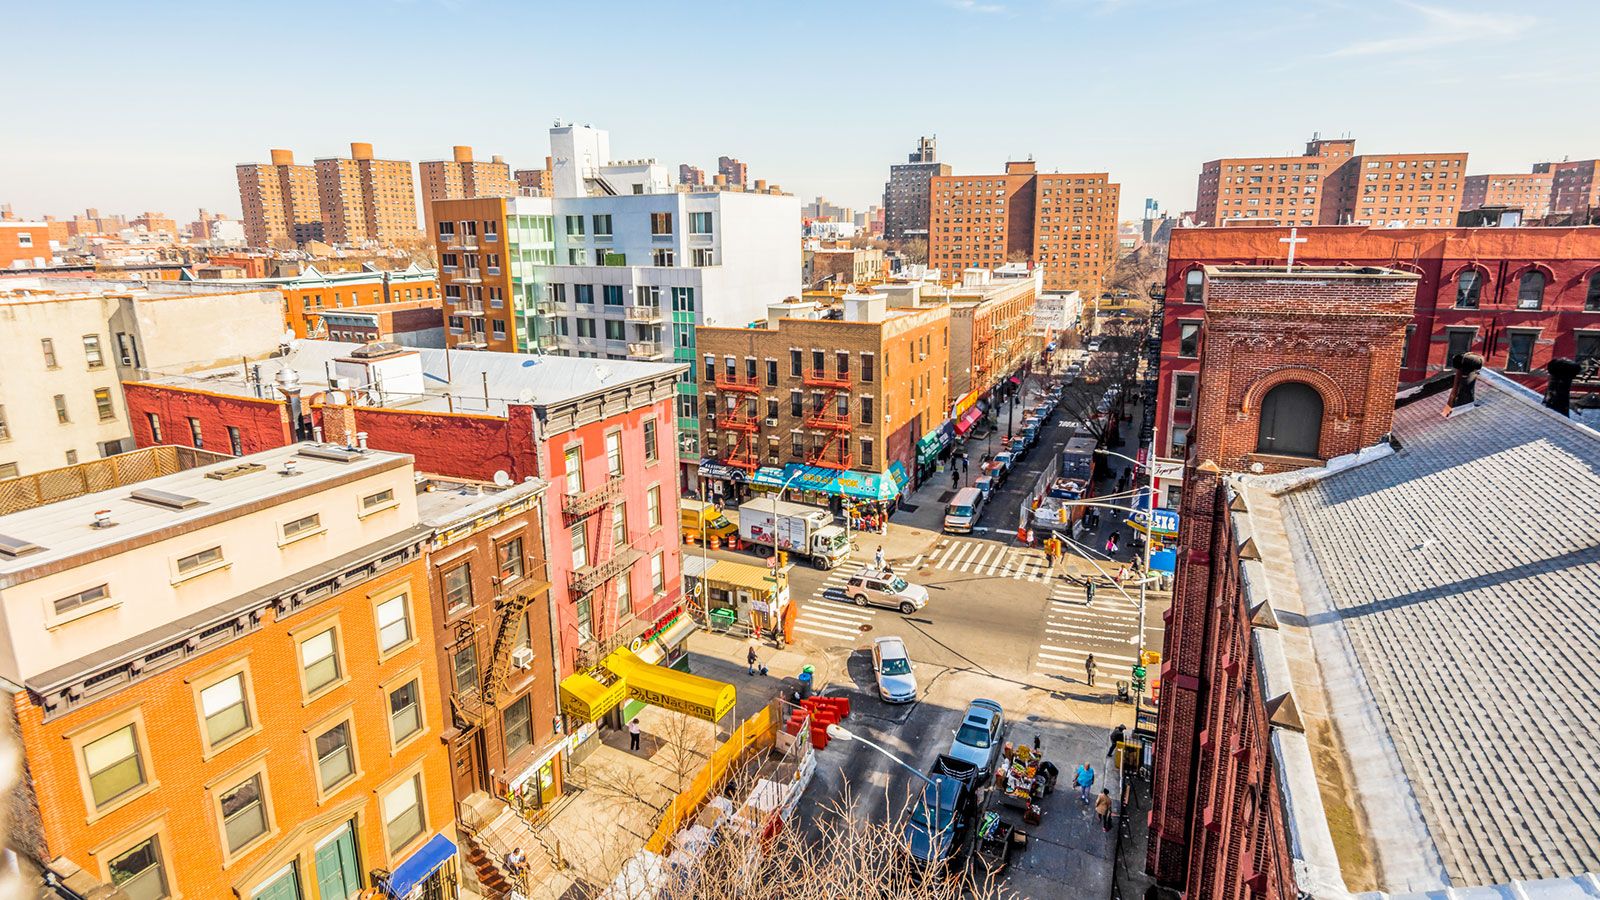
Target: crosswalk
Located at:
point(834, 619)
point(988, 558)
point(1074, 628)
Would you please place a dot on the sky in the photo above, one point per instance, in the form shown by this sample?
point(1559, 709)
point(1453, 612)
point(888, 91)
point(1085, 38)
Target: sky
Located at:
point(149, 106)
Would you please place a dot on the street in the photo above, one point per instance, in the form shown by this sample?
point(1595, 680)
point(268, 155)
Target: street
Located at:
point(997, 625)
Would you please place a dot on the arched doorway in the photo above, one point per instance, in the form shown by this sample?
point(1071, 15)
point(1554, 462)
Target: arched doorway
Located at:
point(1291, 420)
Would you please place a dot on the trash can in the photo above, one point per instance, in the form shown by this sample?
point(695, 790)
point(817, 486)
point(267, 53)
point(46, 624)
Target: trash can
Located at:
point(723, 619)
point(806, 675)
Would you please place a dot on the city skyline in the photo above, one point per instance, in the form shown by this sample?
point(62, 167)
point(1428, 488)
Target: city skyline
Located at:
point(776, 103)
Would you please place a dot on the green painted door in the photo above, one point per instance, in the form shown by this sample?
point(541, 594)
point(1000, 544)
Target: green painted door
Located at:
point(285, 885)
point(338, 877)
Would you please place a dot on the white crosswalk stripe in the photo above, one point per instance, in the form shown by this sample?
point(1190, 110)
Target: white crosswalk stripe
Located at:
point(832, 619)
point(1074, 628)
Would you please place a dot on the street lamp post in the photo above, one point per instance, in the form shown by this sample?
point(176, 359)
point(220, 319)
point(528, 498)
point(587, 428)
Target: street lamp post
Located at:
point(840, 733)
point(1149, 535)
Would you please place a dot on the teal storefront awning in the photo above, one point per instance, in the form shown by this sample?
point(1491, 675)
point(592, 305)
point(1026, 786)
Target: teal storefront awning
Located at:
point(931, 445)
point(849, 483)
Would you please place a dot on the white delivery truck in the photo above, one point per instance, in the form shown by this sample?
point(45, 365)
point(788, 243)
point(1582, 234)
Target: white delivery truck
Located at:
point(794, 528)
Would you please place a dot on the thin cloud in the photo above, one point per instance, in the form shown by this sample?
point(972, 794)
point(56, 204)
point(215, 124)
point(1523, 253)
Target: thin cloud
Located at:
point(1443, 27)
point(973, 6)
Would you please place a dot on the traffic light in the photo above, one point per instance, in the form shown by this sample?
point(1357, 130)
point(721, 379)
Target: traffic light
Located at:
point(782, 557)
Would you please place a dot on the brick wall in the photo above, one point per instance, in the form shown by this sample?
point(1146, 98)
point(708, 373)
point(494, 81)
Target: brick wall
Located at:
point(262, 424)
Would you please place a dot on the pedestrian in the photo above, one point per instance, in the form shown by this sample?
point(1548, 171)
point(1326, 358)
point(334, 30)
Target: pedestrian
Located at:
point(1050, 545)
point(1117, 734)
point(1111, 543)
point(1088, 591)
point(1085, 782)
point(1102, 807)
point(1030, 536)
point(633, 733)
point(1088, 668)
point(750, 658)
point(964, 464)
point(877, 559)
point(955, 477)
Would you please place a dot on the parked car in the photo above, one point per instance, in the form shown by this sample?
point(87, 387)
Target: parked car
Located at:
point(891, 666)
point(872, 588)
point(985, 486)
point(961, 514)
point(940, 826)
point(981, 735)
point(1006, 460)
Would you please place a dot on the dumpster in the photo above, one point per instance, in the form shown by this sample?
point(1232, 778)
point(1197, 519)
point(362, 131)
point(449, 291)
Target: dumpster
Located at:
point(723, 619)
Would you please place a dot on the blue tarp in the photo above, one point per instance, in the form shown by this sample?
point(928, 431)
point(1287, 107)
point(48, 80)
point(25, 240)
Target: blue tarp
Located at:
point(857, 485)
point(420, 865)
point(1164, 561)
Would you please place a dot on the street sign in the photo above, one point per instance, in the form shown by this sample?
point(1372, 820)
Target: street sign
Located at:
point(1168, 469)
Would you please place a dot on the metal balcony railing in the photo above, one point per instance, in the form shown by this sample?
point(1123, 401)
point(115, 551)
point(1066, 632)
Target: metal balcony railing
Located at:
point(586, 502)
point(831, 420)
point(646, 350)
point(644, 313)
point(726, 382)
point(736, 420)
point(822, 378)
point(587, 579)
point(464, 275)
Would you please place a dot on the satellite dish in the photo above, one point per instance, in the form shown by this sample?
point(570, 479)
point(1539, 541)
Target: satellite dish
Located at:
point(502, 479)
point(525, 396)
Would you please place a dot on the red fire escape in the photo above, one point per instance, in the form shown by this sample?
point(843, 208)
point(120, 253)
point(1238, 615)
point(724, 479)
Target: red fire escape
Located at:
point(834, 451)
point(740, 421)
point(982, 351)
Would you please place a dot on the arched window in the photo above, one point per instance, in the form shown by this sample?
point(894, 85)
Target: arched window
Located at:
point(1193, 285)
point(1530, 290)
point(1291, 420)
point(1591, 300)
point(1469, 285)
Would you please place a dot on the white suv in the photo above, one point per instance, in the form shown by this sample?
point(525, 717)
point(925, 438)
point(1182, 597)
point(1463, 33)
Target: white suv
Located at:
point(873, 588)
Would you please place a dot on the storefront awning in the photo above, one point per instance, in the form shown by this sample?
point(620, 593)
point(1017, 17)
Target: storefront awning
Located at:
point(897, 471)
point(670, 688)
point(710, 468)
point(419, 865)
point(932, 444)
point(965, 403)
point(965, 423)
point(852, 484)
point(767, 476)
point(755, 578)
point(588, 696)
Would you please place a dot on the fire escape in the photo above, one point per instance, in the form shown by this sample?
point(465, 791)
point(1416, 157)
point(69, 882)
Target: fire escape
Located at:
point(607, 557)
point(982, 362)
point(741, 420)
point(473, 702)
point(834, 451)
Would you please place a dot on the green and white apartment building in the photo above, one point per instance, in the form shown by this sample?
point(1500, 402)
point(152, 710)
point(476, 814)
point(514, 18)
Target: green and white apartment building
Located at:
point(617, 262)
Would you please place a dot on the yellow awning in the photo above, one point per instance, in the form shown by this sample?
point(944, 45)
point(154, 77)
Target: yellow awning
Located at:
point(669, 688)
point(755, 578)
point(586, 697)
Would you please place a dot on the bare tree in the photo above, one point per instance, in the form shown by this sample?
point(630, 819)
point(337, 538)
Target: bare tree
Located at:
point(916, 250)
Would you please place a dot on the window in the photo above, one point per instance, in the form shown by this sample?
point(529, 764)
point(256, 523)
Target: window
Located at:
point(49, 347)
point(195, 563)
point(91, 351)
point(866, 410)
point(613, 294)
point(155, 427)
point(683, 299)
point(224, 709)
point(518, 724)
point(663, 258)
point(615, 330)
point(335, 761)
point(194, 433)
point(82, 600)
point(699, 223)
point(583, 293)
point(794, 363)
point(866, 452)
point(658, 576)
point(464, 667)
point(244, 814)
point(302, 527)
point(499, 328)
point(619, 524)
point(402, 813)
point(139, 871)
point(1189, 339)
point(703, 256)
point(1194, 286)
point(1519, 351)
point(5, 429)
point(602, 226)
point(660, 223)
point(652, 499)
point(573, 458)
point(373, 502)
point(580, 546)
point(1182, 391)
point(511, 561)
point(624, 596)
point(614, 453)
point(61, 409)
point(867, 360)
point(1468, 288)
point(1530, 290)
point(795, 404)
point(585, 620)
point(235, 442)
point(651, 451)
point(1586, 353)
point(586, 328)
point(319, 661)
point(1591, 299)
point(1291, 420)
point(574, 226)
point(394, 625)
point(405, 715)
point(114, 765)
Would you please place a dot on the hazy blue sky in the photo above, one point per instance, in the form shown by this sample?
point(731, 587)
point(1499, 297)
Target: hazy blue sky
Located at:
point(128, 106)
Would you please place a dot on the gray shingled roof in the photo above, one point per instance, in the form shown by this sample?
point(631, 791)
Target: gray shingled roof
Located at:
point(1466, 572)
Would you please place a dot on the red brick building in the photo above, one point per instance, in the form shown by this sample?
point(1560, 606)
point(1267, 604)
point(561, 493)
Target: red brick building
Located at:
point(1519, 296)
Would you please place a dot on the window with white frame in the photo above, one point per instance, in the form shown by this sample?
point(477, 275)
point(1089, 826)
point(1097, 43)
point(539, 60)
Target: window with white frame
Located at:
point(394, 623)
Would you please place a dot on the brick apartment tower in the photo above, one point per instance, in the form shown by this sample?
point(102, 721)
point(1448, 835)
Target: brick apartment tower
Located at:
point(1299, 367)
point(905, 197)
point(462, 177)
point(280, 202)
point(734, 171)
point(367, 199)
point(1064, 223)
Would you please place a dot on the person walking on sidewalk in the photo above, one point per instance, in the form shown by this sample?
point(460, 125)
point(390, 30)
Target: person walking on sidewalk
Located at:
point(1089, 587)
point(1051, 548)
point(750, 658)
point(1111, 544)
point(1117, 734)
point(633, 735)
point(1102, 808)
point(1088, 668)
point(1085, 782)
point(877, 560)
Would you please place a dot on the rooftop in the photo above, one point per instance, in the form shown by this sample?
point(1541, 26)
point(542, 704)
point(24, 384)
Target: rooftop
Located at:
point(465, 381)
point(443, 501)
point(45, 289)
point(1435, 604)
point(60, 530)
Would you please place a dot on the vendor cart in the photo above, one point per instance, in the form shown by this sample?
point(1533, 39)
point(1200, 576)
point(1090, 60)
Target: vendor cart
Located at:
point(995, 844)
point(1024, 778)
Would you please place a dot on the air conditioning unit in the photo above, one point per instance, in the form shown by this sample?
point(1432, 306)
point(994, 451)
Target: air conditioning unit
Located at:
point(772, 423)
point(522, 657)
